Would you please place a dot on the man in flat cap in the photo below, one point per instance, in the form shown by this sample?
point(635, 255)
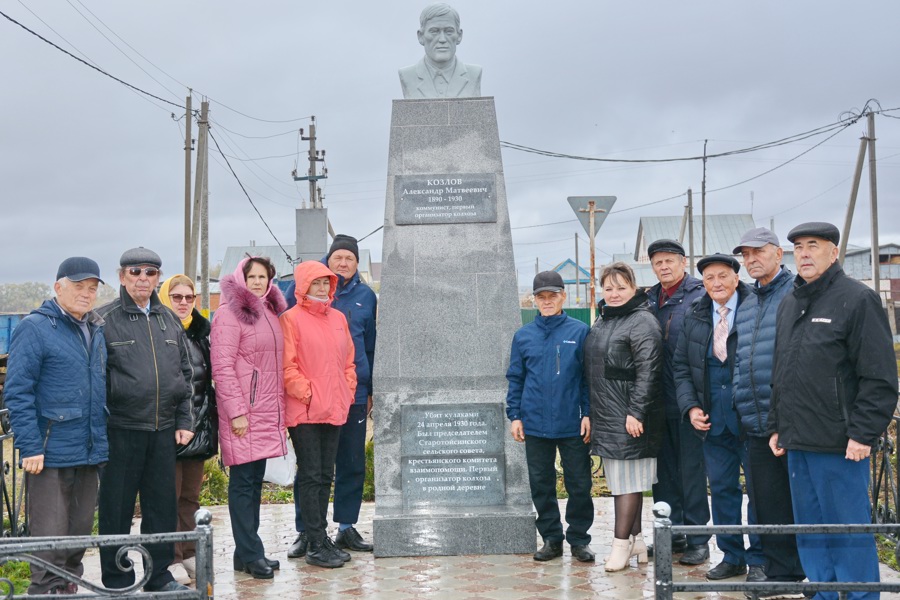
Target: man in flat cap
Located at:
point(56, 395)
point(834, 391)
point(768, 482)
point(548, 408)
point(149, 400)
point(681, 472)
point(703, 366)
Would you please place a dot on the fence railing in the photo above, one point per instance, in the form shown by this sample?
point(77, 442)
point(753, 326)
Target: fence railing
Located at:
point(885, 476)
point(12, 484)
point(22, 549)
point(663, 530)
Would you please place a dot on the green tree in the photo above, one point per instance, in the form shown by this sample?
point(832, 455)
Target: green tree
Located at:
point(23, 297)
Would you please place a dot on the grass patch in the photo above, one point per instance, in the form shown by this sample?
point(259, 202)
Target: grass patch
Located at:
point(19, 573)
point(887, 551)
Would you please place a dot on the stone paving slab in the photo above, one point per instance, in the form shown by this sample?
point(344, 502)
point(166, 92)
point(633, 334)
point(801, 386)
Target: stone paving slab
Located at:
point(471, 577)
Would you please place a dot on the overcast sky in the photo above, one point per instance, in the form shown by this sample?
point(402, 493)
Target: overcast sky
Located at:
point(88, 167)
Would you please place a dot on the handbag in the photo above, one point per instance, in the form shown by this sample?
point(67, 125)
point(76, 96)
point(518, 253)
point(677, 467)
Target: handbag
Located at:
point(281, 470)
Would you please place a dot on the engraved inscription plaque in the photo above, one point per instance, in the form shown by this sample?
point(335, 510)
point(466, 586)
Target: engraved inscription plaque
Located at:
point(442, 199)
point(452, 455)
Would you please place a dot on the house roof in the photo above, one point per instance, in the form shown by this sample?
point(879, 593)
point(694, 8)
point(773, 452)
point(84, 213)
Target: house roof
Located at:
point(723, 233)
point(566, 269)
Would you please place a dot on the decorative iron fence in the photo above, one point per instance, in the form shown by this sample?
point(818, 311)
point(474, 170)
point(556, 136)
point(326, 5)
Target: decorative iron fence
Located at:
point(12, 484)
point(885, 476)
point(22, 549)
point(663, 530)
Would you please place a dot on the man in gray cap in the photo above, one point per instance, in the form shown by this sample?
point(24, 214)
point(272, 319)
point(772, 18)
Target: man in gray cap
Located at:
point(767, 481)
point(703, 377)
point(834, 389)
point(56, 381)
point(681, 472)
point(548, 408)
point(149, 400)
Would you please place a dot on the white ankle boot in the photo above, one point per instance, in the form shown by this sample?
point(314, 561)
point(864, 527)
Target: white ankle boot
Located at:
point(619, 555)
point(639, 548)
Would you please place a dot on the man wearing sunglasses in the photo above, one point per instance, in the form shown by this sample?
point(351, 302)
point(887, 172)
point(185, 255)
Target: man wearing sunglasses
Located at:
point(149, 401)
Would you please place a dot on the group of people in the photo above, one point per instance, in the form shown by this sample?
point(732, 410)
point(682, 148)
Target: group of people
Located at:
point(128, 400)
point(789, 381)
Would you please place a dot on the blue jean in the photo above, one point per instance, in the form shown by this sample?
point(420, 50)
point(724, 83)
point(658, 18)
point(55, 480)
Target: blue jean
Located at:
point(725, 454)
point(828, 488)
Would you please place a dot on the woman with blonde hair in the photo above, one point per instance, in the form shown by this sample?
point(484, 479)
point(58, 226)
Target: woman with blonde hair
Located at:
point(623, 366)
point(177, 292)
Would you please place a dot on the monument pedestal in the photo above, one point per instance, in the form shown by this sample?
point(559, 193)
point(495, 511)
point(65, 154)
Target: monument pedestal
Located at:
point(449, 479)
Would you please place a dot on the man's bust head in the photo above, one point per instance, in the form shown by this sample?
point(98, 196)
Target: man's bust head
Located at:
point(440, 34)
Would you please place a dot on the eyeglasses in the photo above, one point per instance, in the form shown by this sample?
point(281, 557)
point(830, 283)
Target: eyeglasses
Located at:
point(148, 271)
point(179, 298)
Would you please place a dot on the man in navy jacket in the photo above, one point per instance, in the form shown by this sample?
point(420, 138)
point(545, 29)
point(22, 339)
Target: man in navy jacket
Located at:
point(56, 395)
point(359, 305)
point(548, 407)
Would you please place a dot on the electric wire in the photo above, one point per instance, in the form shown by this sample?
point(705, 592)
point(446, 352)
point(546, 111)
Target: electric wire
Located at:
point(87, 64)
point(243, 189)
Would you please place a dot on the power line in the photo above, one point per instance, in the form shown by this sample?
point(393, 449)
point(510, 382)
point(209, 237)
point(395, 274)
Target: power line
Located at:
point(243, 189)
point(87, 64)
point(254, 137)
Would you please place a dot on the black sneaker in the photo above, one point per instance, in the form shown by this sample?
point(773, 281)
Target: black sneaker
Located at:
point(320, 556)
point(298, 548)
point(350, 539)
point(344, 556)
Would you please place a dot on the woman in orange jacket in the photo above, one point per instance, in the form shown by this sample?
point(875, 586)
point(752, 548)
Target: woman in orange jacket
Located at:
point(319, 381)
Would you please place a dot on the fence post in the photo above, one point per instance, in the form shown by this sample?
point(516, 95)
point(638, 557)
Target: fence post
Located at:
point(205, 576)
point(662, 551)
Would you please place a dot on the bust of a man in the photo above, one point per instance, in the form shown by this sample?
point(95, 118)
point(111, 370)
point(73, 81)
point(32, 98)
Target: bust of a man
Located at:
point(440, 74)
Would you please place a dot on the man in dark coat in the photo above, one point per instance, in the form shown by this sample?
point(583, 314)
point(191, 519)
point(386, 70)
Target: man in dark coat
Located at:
point(768, 482)
point(834, 392)
point(56, 395)
point(148, 376)
point(703, 377)
point(681, 472)
point(547, 405)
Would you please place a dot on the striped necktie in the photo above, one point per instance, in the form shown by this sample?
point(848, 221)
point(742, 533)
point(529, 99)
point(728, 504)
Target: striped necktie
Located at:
point(720, 339)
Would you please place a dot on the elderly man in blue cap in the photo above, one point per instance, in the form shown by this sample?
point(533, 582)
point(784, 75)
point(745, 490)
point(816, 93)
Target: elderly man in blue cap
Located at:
point(56, 395)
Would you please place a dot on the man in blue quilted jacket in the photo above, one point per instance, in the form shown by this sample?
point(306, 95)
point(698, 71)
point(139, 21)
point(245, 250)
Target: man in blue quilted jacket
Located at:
point(56, 395)
point(548, 407)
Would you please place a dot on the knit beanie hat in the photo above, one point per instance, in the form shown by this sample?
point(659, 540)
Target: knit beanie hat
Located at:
point(344, 242)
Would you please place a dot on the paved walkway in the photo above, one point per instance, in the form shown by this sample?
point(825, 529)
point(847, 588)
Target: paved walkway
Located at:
point(499, 577)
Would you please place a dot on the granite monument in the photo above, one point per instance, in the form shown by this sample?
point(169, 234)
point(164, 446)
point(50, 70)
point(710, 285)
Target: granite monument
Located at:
point(439, 74)
point(448, 477)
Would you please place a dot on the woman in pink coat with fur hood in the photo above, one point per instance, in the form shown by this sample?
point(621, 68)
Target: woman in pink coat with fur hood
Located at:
point(320, 381)
point(246, 351)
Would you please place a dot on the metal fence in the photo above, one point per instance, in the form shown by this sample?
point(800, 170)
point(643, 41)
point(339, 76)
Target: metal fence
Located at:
point(12, 488)
point(885, 475)
point(663, 530)
point(22, 549)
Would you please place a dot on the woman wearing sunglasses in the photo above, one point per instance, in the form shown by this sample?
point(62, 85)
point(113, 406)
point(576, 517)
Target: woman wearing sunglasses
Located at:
point(177, 292)
point(247, 367)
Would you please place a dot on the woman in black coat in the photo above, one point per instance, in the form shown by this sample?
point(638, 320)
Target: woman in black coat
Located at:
point(623, 365)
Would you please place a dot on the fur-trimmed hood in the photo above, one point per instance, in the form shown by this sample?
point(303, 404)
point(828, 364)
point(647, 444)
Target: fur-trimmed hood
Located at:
point(245, 305)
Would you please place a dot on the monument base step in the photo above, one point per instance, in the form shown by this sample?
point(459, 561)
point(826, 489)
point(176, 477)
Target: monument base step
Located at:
point(451, 532)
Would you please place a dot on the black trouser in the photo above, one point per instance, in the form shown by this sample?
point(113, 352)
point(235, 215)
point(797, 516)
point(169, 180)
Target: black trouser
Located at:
point(349, 470)
point(316, 448)
point(540, 454)
point(139, 462)
point(681, 477)
point(60, 503)
point(244, 496)
point(769, 485)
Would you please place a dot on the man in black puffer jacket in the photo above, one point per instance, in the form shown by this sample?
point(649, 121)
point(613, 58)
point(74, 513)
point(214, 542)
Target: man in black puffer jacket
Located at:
point(703, 377)
point(834, 391)
point(149, 400)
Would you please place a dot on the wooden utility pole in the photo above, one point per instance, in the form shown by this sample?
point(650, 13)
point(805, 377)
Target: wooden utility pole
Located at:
point(854, 191)
point(204, 212)
point(188, 144)
point(199, 178)
point(703, 203)
point(312, 175)
point(873, 196)
point(577, 273)
point(690, 232)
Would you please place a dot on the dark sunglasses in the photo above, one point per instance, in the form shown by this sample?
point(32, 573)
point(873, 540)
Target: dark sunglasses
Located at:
point(178, 298)
point(148, 271)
